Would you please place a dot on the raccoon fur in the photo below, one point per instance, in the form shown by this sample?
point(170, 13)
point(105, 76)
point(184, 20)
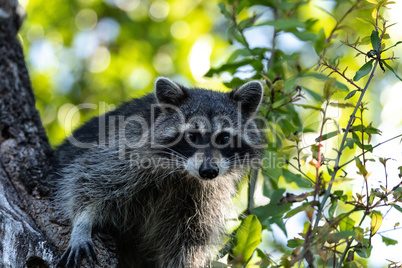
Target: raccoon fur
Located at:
point(159, 173)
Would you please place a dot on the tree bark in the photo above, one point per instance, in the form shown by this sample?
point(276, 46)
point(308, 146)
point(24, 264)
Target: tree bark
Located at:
point(31, 234)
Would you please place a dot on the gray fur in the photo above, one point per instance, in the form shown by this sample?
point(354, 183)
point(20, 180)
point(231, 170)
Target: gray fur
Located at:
point(162, 214)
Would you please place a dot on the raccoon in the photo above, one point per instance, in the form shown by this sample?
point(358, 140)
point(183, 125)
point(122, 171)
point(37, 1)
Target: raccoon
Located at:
point(158, 173)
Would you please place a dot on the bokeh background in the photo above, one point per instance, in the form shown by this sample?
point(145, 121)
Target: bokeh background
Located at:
point(104, 52)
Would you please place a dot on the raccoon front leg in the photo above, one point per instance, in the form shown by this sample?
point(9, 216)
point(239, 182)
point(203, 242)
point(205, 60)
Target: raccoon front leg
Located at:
point(81, 244)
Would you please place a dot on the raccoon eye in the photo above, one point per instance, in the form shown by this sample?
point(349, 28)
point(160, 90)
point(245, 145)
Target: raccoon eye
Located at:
point(223, 138)
point(193, 137)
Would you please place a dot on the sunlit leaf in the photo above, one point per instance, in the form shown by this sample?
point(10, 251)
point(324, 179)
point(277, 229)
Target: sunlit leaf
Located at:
point(248, 237)
point(362, 169)
point(296, 178)
point(295, 243)
point(376, 221)
point(319, 43)
point(303, 207)
point(359, 234)
point(346, 224)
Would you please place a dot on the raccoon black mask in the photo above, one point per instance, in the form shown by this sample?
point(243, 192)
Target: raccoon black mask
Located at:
point(213, 132)
point(160, 171)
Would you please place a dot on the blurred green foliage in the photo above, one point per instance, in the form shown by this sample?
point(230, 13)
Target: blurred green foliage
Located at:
point(87, 51)
point(316, 124)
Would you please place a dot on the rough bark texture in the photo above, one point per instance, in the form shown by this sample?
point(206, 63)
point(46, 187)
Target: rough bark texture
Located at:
point(30, 233)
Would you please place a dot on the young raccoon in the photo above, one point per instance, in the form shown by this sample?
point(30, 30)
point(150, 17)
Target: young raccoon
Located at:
point(159, 173)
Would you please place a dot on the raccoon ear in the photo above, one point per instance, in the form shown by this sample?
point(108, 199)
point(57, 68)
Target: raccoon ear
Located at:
point(168, 92)
point(249, 95)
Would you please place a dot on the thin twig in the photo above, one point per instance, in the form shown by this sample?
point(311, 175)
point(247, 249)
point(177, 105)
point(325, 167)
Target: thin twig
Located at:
point(343, 142)
point(341, 74)
point(381, 143)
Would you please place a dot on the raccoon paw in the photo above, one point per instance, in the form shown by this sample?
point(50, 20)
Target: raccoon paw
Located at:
point(75, 252)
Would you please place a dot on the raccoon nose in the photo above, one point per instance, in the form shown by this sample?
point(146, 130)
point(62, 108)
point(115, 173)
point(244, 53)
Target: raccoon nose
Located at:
point(208, 171)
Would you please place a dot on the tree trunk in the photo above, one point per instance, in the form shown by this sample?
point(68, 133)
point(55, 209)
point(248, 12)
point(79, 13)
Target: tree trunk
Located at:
point(31, 235)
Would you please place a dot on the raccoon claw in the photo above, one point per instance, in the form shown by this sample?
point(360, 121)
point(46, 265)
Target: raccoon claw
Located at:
point(73, 255)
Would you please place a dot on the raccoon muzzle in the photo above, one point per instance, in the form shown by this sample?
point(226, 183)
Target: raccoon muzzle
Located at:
point(208, 170)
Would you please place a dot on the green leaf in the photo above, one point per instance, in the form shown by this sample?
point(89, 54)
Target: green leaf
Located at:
point(314, 95)
point(240, 38)
point(364, 70)
point(289, 84)
point(243, 52)
point(342, 105)
point(223, 10)
point(392, 70)
point(369, 129)
point(397, 43)
point(332, 208)
point(248, 237)
point(305, 35)
point(327, 12)
point(346, 224)
point(329, 89)
point(235, 82)
point(388, 241)
point(362, 169)
point(323, 77)
point(295, 243)
point(364, 252)
point(302, 207)
point(319, 44)
point(375, 40)
point(296, 178)
point(287, 5)
point(246, 23)
point(372, 130)
point(344, 234)
point(230, 67)
point(307, 106)
point(351, 94)
point(365, 41)
point(284, 24)
point(397, 207)
point(327, 136)
point(273, 213)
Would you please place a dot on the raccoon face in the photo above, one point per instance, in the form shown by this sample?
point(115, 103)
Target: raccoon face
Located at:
point(208, 133)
